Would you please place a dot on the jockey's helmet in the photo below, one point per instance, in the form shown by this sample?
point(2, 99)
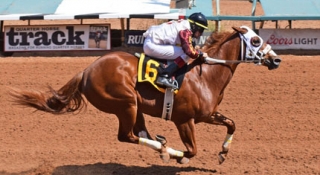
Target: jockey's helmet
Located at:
point(198, 22)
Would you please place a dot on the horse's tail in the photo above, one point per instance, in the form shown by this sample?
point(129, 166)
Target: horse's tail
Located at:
point(67, 99)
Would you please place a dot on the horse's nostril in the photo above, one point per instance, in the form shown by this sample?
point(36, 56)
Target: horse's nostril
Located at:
point(277, 61)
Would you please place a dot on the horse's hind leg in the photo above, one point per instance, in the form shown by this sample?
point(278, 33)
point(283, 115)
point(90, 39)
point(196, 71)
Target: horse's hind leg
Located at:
point(127, 119)
point(130, 122)
point(219, 119)
point(140, 128)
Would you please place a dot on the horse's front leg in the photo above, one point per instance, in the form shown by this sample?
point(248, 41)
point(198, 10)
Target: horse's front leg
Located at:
point(219, 119)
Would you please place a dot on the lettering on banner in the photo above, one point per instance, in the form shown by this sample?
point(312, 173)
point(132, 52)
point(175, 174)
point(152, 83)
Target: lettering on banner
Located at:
point(274, 40)
point(135, 38)
point(21, 37)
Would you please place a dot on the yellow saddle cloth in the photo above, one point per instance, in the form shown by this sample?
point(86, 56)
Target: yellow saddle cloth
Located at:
point(148, 71)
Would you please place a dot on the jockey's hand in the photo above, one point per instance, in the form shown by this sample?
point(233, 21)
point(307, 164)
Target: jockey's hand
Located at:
point(197, 47)
point(204, 56)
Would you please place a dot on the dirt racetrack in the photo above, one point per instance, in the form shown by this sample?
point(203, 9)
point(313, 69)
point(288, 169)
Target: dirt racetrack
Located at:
point(277, 114)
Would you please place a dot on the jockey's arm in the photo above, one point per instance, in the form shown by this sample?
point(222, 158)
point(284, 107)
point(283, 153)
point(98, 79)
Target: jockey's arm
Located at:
point(187, 45)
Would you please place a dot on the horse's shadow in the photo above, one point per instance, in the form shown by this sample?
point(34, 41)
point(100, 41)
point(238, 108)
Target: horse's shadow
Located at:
point(115, 168)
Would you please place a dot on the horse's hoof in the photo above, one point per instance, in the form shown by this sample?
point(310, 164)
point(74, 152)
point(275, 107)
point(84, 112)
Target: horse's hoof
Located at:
point(161, 139)
point(221, 158)
point(165, 157)
point(183, 160)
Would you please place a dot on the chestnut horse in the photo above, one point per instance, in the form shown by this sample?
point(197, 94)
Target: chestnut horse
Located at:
point(110, 84)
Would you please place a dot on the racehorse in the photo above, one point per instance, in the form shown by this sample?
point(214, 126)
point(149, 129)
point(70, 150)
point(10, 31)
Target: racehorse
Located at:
point(110, 84)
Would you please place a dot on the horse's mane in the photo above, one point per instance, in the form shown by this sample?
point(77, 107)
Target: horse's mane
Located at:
point(215, 41)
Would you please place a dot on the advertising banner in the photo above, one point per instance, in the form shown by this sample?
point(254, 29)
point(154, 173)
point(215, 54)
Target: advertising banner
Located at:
point(135, 38)
point(57, 37)
point(282, 39)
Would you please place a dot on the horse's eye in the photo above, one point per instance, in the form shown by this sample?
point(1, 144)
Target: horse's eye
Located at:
point(255, 41)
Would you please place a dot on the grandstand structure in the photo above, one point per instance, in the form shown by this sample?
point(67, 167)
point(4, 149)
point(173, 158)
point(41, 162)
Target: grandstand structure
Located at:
point(160, 9)
point(274, 10)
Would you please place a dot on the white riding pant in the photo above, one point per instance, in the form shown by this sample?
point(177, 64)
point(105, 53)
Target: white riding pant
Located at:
point(168, 52)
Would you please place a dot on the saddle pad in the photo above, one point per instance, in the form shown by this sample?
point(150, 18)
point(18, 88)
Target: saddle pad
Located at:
point(148, 69)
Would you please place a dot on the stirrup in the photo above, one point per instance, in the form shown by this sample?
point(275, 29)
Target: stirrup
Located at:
point(168, 82)
point(174, 85)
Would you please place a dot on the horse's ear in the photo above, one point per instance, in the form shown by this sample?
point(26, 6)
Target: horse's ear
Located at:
point(240, 30)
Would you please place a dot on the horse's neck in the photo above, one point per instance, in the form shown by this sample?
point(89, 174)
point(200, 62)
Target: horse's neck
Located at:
point(221, 74)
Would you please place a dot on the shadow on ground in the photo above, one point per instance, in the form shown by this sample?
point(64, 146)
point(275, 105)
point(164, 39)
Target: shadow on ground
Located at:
point(114, 168)
point(110, 169)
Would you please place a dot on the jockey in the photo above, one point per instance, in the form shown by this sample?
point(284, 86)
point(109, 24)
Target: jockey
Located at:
point(173, 41)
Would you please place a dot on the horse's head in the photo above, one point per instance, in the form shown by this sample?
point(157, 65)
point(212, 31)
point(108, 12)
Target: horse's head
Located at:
point(256, 50)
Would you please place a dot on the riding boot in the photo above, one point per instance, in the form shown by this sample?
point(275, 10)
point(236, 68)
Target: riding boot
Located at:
point(164, 78)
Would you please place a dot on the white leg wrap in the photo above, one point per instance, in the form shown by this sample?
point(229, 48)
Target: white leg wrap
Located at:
point(150, 143)
point(174, 153)
point(227, 142)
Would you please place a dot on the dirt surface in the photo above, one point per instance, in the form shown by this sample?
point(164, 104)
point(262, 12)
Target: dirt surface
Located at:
point(276, 114)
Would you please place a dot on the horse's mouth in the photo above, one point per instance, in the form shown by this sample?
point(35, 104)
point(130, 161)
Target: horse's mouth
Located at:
point(272, 63)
